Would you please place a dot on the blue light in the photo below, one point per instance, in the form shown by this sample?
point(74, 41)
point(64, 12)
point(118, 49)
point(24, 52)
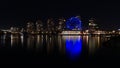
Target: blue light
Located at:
point(73, 47)
point(73, 23)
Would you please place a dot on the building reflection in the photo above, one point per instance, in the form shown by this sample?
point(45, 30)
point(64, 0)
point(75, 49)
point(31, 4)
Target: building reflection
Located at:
point(85, 39)
point(15, 40)
point(73, 46)
point(31, 42)
point(2, 41)
point(5, 41)
point(22, 40)
point(50, 43)
point(93, 44)
point(61, 44)
point(39, 42)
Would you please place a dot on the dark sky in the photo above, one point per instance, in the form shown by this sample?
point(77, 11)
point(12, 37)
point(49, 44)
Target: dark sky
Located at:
point(18, 12)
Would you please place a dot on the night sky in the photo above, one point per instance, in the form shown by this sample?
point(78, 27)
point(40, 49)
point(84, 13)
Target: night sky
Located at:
point(18, 12)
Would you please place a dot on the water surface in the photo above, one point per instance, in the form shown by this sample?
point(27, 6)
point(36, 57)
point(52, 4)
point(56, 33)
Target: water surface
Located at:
point(54, 49)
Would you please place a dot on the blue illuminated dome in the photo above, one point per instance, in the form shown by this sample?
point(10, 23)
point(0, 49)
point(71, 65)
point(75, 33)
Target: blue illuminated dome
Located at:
point(73, 23)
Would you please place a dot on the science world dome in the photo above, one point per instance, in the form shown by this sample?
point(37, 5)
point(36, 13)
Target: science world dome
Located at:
point(73, 23)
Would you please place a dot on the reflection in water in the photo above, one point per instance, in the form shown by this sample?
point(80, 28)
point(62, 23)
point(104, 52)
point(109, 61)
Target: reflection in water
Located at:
point(73, 46)
point(22, 40)
point(31, 42)
point(98, 41)
point(94, 44)
point(61, 43)
point(85, 40)
point(42, 46)
point(15, 40)
point(50, 41)
point(3, 40)
point(39, 42)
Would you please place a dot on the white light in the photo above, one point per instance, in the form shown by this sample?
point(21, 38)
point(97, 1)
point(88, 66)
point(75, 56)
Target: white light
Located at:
point(119, 29)
point(71, 32)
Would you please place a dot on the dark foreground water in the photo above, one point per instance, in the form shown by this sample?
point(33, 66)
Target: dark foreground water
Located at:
point(44, 49)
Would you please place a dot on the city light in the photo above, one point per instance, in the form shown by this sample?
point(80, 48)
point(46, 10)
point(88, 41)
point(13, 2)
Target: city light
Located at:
point(71, 26)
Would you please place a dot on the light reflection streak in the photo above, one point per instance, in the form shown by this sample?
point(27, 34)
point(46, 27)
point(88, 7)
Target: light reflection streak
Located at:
point(49, 44)
point(94, 44)
point(60, 43)
point(30, 41)
point(11, 40)
point(14, 40)
point(22, 40)
point(38, 42)
point(98, 40)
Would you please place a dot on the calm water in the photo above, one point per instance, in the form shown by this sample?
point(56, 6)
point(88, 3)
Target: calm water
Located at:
point(44, 49)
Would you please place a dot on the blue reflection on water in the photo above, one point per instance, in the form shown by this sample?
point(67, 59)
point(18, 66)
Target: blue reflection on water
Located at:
point(73, 47)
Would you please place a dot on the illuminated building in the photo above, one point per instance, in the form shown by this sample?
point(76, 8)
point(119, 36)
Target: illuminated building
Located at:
point(92, 25)
point(50, 25)
point(30, 27)
point(61, 25)
point(39, 26)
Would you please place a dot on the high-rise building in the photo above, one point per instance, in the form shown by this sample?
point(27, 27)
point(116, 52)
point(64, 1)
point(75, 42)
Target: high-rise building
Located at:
point(92, 25)
point(30, 27)
point(50, 25)
point(39, 25)
point(61, 24)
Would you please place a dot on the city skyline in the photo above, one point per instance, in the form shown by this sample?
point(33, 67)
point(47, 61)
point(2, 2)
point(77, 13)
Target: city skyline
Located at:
point(70, 32)
point(55, 20)
point(18, 12)
point(60, 26)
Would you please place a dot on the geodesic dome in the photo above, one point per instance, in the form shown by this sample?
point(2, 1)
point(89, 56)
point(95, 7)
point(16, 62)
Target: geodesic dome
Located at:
point(73, 23)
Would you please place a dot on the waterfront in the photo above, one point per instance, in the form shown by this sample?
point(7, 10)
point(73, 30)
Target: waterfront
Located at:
point(55, 49)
